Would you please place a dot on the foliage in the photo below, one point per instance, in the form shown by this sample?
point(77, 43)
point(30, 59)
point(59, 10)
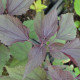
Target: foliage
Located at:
point(30, 25)
point(76, 6)
point(4, 57)
point(38, 6)
point(17, 72)
point(15, 9)
point(77, 23)
point(77, 71)
point(19, 43)
point(4, 3)
point(20, 50)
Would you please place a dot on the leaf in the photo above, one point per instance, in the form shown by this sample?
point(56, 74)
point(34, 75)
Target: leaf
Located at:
point(38, 74)
point(57, 73)
point(60, 41)
point(54, 40)
point(17, 72)
point(67, 29)
point(72, 50)
point(30, 25)
point(77, 23)
point(47, 27)
point(57, 62)
point(4, 2)
point(18, 7)
point(55, 51)
point(12, 30)
point(20, 50)
point(16, 62)
point(4, 57)
point(78, 77)
point(76, 6)
point(36, 57)
point(70, 69)
point(7, 78)
point(1, 7)
point(38, 6)
point(77, 71)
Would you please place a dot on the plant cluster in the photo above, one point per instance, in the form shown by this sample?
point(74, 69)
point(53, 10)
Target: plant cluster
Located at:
point(58, 38)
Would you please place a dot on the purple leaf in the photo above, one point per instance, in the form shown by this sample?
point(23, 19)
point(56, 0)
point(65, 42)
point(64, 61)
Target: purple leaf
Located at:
point(78, 77)
point(18, 7)
point(47, 27)
point(1, 7)
point(12, 30)
point(36, 57)
point(72, 50)
point(57, 73)
point(67, 29)
point(55, 50)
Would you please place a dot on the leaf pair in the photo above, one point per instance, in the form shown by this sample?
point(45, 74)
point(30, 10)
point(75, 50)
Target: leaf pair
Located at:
point(47, 27)
point(14, 7)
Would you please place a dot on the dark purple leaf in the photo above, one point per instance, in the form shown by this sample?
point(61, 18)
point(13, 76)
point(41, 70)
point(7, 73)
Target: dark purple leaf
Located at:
point(1, 7)
point(18, 7)
point(47, 27)
point(12, 30)
point(67, 29)
point(78, 77)
point(57, 73)
point(55, 50)
point(72, 50)
point(36, 57)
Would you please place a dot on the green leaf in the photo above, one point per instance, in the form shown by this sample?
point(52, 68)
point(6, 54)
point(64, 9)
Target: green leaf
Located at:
point(18, 71)
point(70, 69)
point(20, 50)
point(38, 6)
point(77, 71)
point(60, 61)
point(7, 78)
point(53, 39)
point(4, 57)
point(66, 61)
point(77, 6)
point(60, 41)
point(57, 62)
point(30, 25)
point(4, 3)
point(16, 62)
point(77, 24)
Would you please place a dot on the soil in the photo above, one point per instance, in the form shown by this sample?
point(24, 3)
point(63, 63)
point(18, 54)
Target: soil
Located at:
point(30, 14)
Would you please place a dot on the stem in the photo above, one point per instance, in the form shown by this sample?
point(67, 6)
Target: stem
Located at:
point(31, 42)
point(35, 41)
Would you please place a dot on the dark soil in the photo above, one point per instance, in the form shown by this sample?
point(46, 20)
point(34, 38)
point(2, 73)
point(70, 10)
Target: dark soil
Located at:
point(30, 14)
